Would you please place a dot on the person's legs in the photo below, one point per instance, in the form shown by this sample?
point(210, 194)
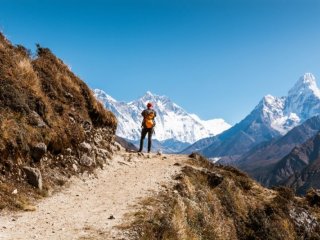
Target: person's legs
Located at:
point(143, 135)
point(150, 131)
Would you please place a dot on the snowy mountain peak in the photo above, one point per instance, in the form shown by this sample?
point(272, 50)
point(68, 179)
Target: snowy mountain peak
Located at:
point(103, 95)
point(172, 121)
point(148, 93)
point(148, 96)
point(269, 100)
point(153, 98)
point(305, 85)
point(302, 102)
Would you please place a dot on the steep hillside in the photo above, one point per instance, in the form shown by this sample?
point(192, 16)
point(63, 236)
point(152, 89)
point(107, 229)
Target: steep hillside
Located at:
point(216, 202)
point(300, 169)
point(51, 125)
point(259, 162)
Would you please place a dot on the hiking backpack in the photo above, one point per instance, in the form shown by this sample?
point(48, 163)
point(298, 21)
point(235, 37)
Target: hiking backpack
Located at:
point(148, 119)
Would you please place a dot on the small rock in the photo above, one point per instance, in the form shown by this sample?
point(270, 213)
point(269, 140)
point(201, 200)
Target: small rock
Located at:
point(97, 139)
point(14, 192)
point(177, 164)
point(75, 168)
point(111, 217)
point(68, 151)
point(159, 153)
point(35, 119)
point(85, 147)
point(87, 126)
point(214, 179)
point(34, 177)
point(68, 95)
point(85, 160)
point(38, 151)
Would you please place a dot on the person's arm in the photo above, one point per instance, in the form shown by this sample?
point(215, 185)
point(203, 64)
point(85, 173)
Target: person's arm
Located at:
point(155, 114)
point(142, 114)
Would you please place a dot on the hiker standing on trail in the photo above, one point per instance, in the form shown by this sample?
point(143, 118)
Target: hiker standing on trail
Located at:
point(148, 125)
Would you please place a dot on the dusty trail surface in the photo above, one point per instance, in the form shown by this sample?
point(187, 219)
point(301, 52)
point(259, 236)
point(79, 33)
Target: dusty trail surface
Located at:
point(86, 208)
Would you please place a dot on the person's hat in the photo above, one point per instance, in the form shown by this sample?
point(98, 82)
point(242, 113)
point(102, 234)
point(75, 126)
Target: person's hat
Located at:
point(149, 105)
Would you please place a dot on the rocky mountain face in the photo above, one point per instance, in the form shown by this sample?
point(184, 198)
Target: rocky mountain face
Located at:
point(175, 128)
point(273, 117)
point(300, 169)
point(259, 162)
point(51, 125)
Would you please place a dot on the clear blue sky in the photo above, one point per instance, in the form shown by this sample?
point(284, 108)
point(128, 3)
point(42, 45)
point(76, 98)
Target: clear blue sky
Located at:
point(213, 58)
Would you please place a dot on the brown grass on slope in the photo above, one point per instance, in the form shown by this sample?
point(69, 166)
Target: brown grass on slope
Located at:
point(216, 202)
point(42, 101)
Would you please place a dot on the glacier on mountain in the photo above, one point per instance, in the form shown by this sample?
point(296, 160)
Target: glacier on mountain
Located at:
point(172, 121)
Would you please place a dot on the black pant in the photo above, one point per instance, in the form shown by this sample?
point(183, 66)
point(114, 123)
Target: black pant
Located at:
point(144, 132)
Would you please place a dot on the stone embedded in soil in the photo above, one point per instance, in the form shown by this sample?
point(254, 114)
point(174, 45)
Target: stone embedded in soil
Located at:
point(85, 160)
point(86, 147)
point(38, 151)
point(75, 168)
point(33, 176)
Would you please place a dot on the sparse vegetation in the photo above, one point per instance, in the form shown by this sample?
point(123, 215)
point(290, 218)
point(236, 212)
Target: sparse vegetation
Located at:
point(42, 101)
point(235, 207)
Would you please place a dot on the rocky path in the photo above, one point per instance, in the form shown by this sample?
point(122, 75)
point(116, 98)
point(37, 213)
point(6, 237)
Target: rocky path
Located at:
point(92, 206)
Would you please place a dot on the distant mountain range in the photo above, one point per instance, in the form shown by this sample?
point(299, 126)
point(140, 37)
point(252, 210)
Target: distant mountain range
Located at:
point(272, 118)
point(175, 128)
point(265, 161)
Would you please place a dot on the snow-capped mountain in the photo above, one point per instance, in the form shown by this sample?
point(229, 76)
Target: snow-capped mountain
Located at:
point(172, 121)
point(272, 117)
point(302, 103)
point(285, 113)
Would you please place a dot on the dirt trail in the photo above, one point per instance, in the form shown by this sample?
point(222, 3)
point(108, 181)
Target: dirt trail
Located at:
point(82, 210)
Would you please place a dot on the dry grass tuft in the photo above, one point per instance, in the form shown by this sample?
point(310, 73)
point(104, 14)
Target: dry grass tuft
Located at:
point(25, 206)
